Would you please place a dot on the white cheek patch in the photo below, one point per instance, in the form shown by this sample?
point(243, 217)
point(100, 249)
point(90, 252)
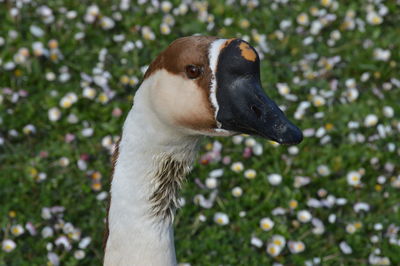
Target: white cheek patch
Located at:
point(213, 54)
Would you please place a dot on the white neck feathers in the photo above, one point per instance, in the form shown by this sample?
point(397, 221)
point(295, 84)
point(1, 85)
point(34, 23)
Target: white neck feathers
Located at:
point(153, 159)
point(213, 54)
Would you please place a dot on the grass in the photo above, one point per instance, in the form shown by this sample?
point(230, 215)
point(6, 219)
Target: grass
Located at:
point(24, 156)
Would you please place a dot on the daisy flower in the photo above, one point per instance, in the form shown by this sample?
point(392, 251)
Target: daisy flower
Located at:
point(54, 114)
point(323, 170)
point(250, 174)
point(79, 254)
point(303, 19)
point(273, 250)
point(318, 101)
point(278, 240)
point(382, 54)
point(221, 218)
point(274, 179)
point(304, 216)
point(211, 182)
point(17, 230)
point(296, 246)
point(237, 192)
point(345, 248)
point(266, 224)
point(354, 178)
point(374, 18)
point(165, 29)
point(350, 228)
point(388, 111)
point(237, 167)
point(8, 245)
point(255, 241)
point(89, 93)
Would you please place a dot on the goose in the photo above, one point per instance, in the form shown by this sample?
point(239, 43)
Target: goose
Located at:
point(198, 86)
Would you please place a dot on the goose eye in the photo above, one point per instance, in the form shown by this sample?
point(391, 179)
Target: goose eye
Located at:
point(193, 71)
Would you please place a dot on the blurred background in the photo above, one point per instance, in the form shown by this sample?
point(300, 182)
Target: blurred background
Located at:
point(68, 73)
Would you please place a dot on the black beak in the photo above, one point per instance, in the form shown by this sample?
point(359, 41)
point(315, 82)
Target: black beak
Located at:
point(247, 109)
point(243, 105)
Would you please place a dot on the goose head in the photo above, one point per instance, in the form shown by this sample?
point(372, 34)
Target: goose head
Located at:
point(208, 86)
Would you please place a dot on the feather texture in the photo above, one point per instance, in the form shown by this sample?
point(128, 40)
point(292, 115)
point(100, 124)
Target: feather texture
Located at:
point(168, 179)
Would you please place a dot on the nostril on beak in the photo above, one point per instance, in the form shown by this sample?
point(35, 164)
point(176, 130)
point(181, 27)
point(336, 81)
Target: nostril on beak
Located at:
point(256, 111)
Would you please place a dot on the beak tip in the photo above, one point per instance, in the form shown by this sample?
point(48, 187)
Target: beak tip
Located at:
point(294, 137)
point(298, 138)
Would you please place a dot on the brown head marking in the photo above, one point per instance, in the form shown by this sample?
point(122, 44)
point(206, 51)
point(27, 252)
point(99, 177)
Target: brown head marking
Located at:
point(186, 51)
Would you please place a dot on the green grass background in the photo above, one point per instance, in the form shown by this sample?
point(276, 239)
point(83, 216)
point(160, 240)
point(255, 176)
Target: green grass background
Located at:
point(201, 243)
